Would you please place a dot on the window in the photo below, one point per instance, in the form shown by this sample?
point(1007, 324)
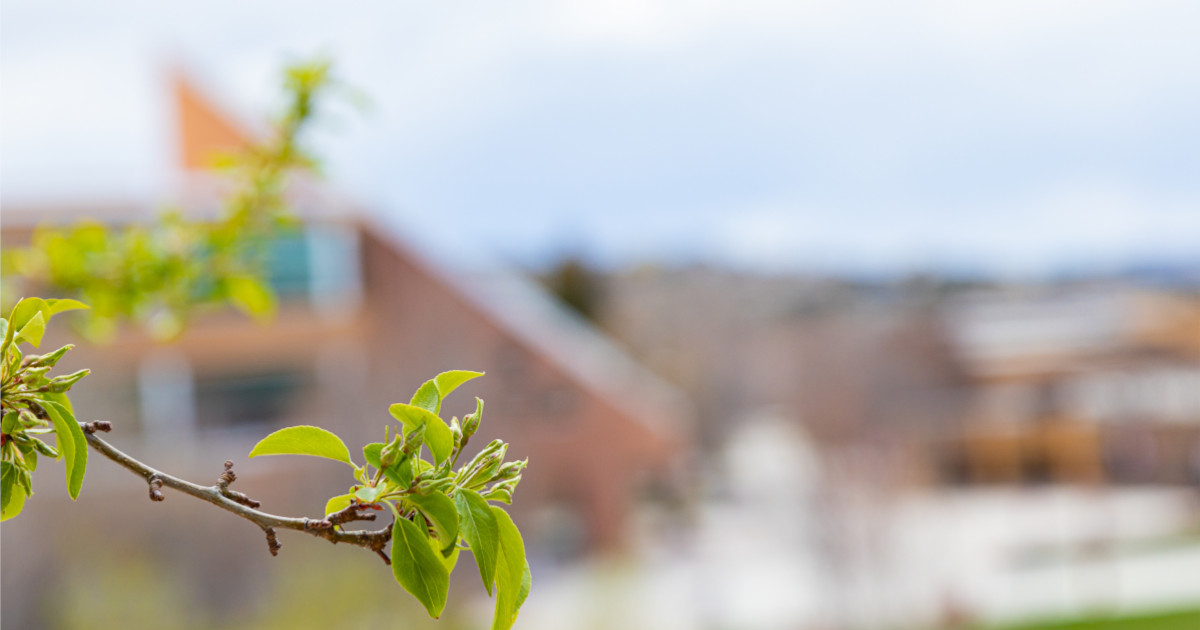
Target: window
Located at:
point(232, 400)
point(321, 263)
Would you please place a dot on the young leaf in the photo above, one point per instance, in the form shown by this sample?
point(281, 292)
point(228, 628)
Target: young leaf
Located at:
point(303, 440)
point(401, 473)
point(60, 306)
point(437, 433)
point(72, 445)
point(440, 511)
point(510, 572)
point(12, 495)
point(368, 494)
point(418, 568)
point(24, 311)
point(449, 381)
point(427, 398)
point(33, 330)
point(479, 528)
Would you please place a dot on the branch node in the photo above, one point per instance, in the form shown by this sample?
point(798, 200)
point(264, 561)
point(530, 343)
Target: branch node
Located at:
point(97, 425)
point(272, 542)
point(227, 478)
point(156, 484)
point(351, 513)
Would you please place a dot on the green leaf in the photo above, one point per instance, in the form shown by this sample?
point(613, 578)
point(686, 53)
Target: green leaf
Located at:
point(371, 453)
point(338, 503)
point(33, 330)
point(510, 572)
point(449, 381)
point(427, 398)
point(440, 511)
point(437, 433)
point(60, 306)
point(12, 495)
point(479, 528)
point(72, 445)
point(303, 440)
point(418, 568)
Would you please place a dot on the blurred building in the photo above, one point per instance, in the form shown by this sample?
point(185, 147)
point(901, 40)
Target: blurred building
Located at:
point(1088, 385)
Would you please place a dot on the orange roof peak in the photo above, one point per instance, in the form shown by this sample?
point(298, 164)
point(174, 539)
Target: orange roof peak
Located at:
point(204, 130)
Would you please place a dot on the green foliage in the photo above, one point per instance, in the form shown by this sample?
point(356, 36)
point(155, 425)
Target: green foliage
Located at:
point(438, 509)
point(158, 275)
point(33, 404)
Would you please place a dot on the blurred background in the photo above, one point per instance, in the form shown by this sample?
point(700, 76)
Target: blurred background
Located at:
point(815, 315)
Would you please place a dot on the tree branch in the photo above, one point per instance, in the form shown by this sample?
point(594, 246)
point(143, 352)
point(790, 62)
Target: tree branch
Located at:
point(218, 495)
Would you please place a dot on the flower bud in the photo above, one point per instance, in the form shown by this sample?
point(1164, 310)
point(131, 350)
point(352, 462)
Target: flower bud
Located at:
point(485, 465)
point(456, 434)
point(510, 470)
point(34, 376)
point(391, 453)
point(502, 492)
point(414, 440)
point(45, 449)
point(471, 422)
point(61, 384)
point(47, 360)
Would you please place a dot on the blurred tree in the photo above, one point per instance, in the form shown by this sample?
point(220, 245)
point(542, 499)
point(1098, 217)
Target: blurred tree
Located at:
point(578, 286)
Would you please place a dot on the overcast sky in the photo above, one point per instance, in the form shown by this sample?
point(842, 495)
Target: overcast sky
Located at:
point(1015, 136)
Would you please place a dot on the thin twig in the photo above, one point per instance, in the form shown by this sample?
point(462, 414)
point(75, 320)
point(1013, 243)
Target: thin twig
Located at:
point(374, 540)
